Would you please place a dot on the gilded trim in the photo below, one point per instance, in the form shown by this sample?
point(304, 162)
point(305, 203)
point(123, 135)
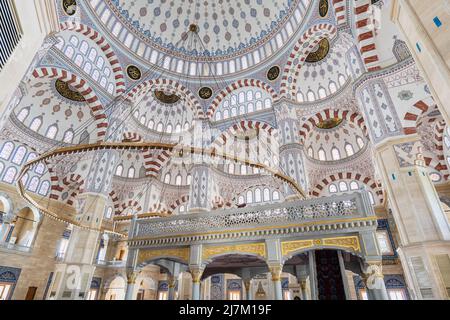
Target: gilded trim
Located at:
point(148, 254)
point(252, 248)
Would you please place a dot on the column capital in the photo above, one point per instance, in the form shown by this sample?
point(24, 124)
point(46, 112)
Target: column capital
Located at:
point(132, 276)
point(196, 273)
point(276, 271)
point(172, 280)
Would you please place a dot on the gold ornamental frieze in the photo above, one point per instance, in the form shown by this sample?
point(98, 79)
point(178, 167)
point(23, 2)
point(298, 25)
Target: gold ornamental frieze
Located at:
point(350, 242)
point(149, 254)
point(253, 248)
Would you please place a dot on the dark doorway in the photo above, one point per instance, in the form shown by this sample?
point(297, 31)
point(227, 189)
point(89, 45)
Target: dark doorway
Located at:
point(31, 293)
point(329, 276)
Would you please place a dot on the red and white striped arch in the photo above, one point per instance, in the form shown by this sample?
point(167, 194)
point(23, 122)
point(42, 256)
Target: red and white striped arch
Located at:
point(154, 161)
point(305, 45)
point(322, 185)
point(238, 85)
point(116, 202)
point(104, 46)
point(244, 126)
point(84, 89)
point(72, 184)
point(340, 7)
point(178, 202)
point(133, 204)
point(354, 117)
point(132, 137)
point(412, 117)
point(170, 86)
point(365, 33)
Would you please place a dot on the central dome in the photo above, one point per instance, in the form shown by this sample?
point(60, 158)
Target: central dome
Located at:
point(225, 26)
point(225, 29)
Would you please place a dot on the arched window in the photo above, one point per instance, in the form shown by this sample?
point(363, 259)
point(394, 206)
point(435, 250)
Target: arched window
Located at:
point(354, 185)
point(267, 103)
point(178, 180)
point(167, 178)
point(322, 155)
point(7, 149)
point(52, 131)
point(343, 186)
point(45, 186)
point(243, 169)
point(276, 196)
point(335, 154)
point(142, 120)
point(34, 183)
point(310, 152)
point(218, 116)
point(300, 97)
point(241, 200)
point(360, 142)
point(332, 188)
point(341, 80)
point(231, 168)
point(159, 127)
point(258, 197)
point(241, 97)
point(108, 213)
point(322, 93)
point(349, 149)
point(169, 128)
point(10, 175)
point(36, 124)
point(234, 112)
point(250, 108)
point(178, 128)
point(151, 124)
point(311, 96)
point(131, 172)
point(266, 194)
point(188, 179)
point(372, 200)
point(68, 136)
point(40, 168)
point(23, 114)
point(19, 155)
point(2, 166)
point(332, 86)
point(249, 196)
point(250, 95)
point(119, 170)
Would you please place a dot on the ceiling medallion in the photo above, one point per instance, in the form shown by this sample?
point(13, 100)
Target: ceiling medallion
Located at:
point(329, 123)
point(321, 52)
point(69, 6)
point(273, 73)
point(65, 90)
point(134, 73)
point(205, 93)
point(323, 8)
point(166, 98)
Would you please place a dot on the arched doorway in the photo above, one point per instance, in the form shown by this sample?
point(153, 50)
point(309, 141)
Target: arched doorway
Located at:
point(25, 227)
point(116, 289)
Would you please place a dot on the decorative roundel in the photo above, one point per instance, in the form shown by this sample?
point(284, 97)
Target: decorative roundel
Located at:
point(70, 7)
point(134, 73)
point(67, 92)
point(329, 123)
point(323, 48)
point(273, 73)
point(323, 8)
point(205, 93)
point(166, 98)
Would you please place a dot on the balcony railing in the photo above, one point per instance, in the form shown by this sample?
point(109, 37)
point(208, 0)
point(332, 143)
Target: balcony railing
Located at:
point(15, 247)
point(348, 206)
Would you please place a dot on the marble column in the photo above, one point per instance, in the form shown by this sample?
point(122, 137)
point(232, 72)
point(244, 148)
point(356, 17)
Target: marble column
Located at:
point(196, 278)
point(172, 283)
point(248, 286)
point(374, 280)
point(312, 275)
point(276, 271)
point(422, 224)
point(131, 284)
